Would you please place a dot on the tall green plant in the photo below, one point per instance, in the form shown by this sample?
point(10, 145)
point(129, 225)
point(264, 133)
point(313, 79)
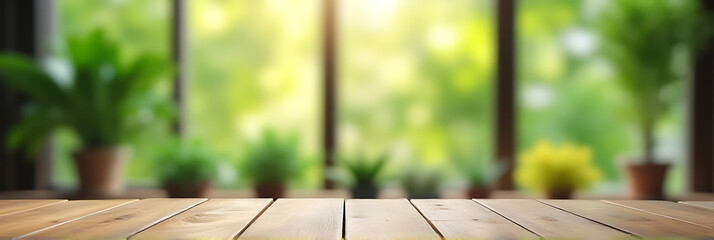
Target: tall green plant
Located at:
point(90, 88)
point(642, 39)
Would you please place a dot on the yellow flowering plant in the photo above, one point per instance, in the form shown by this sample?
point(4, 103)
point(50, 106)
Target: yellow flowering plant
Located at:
point(547, 167)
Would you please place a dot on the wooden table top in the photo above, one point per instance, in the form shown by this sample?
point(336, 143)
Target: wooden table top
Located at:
point(334, 218)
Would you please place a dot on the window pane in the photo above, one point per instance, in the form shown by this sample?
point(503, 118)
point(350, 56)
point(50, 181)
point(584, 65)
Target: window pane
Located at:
point(255, 65)
point(139, 26)
point(567, 92)
point(416, 79)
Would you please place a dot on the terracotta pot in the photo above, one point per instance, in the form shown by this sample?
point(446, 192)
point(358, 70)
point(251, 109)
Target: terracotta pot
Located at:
point(646, 180)
point(101, 171)
point(559, 193)
point(270, 190)
point(188, 190)
point(478, 192)
point(364, 192)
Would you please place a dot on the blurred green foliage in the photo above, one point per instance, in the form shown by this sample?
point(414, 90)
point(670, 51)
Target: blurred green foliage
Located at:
point(89, 88)
point(139, 27)
point(364, 171)
point(568, 90)
point(422, 182)
point(415, 77)
point(478, 171)
point(186, 162)
point(271, 159)
point(256, 65)
point(643, 40)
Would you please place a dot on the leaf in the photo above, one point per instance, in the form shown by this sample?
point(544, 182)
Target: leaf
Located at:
point(22, 74)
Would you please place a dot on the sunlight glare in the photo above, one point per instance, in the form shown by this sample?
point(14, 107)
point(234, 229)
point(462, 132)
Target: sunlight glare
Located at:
point(442, 37)
point(212, 18)
point(381, 12)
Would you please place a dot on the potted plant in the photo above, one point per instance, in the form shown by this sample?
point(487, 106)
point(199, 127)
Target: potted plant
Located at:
point(364, 172)
point(270, 163)
point(421, 183)
point(186, 170)
point(94, 91)
point(558, 171)
point(642, 39)
point(479, 173)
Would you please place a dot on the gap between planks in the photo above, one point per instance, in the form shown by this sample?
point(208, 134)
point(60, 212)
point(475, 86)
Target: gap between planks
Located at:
point(24, 223)
point(467, 219)
point(298, 219)
point(700, 204)
point(385, 219)
point(411, 201)
point(213, 219)
point(630, 220)
point(550, 222)
point(120, 222)
point(682, 212)
point(14, 206)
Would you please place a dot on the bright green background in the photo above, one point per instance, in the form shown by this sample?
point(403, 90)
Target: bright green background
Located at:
point(415, 79)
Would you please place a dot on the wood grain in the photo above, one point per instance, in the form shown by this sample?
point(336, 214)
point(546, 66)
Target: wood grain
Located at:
point(385, 219)
point(683, 212)
point(26, 222)
point(12, 206)
point(466, 219)
point(701, 204)
point(550, 222)
point(120, 222)
point(630, 220)
point(298, 219)
point(213, 219)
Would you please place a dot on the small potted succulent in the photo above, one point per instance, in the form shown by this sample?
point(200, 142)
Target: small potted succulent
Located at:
point(422, 183)
point(644, 40)
point(187, 169)
point(479, 173)
point(364, 173)
point(270, 163)
point(556, 170)
point(99, 94)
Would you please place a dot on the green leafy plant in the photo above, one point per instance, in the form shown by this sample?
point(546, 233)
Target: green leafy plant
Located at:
point(271, 159)
point(478, 171)
point(643, 40)
point(90, 88)
point(364, 171)
point(422, 182)
point(548, 167)
point(186, 162)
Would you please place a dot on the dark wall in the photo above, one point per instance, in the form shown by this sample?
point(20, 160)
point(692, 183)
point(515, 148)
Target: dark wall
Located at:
point(17, 31)
point(701, 142)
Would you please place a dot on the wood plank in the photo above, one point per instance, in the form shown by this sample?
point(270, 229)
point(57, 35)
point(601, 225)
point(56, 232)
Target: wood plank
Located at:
point(466, 219)
point(298, 219)
point(701, 204)
point(385, 219)
point(550, 222)
point(683, 212)
point(12, 206)
point(633, 221)
point(120, 222)
point(213, 219)
point(26, 222)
